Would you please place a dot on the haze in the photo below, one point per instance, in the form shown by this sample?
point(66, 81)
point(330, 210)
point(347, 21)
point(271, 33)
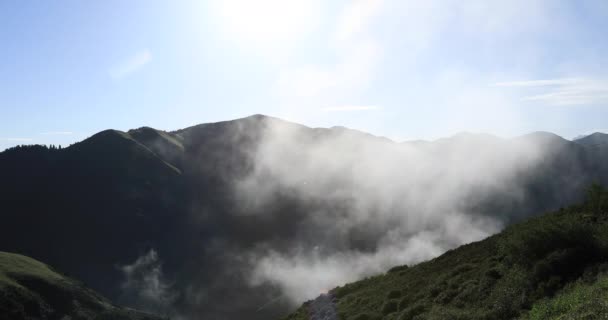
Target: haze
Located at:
point(264, 152)
point(401, 69)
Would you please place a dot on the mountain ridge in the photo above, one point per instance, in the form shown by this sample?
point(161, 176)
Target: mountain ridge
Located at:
point(214, 200)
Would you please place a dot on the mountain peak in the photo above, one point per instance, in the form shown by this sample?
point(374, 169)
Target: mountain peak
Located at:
point(544, 137)
point(594, 139)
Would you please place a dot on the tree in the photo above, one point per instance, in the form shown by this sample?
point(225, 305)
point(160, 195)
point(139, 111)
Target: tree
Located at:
point(597, 198)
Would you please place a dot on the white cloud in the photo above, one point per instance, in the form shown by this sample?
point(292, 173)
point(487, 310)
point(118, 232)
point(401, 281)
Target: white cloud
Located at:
point(145, 283)
point(350, 108)
point(57, 133)
point(563, 91)
point(378, 189)
point(131, 65)
point(538, 83)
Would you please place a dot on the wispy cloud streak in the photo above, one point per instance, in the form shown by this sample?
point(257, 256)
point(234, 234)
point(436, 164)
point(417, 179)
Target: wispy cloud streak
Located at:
point(350, 108)
point(131, 65)
point(16, 139)
point(539, 83)
point(564, 91)
point(57, 133)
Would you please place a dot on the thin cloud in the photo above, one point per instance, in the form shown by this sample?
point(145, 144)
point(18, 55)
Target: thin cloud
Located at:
point(131, 65)
point(357, 52)
point(16, 139)
point(564, 91)
point(570, 97)
point(350, 108)
point(57, 133)
point(356, 18)
point(538, 83)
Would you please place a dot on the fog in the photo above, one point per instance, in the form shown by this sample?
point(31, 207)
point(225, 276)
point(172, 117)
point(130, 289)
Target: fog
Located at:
point(272, 213)
point(145, 285)
point(374, 203)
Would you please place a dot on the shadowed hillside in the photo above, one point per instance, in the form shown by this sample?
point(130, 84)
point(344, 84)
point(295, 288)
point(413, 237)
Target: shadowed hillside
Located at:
point(250, 217)
point(30, 289)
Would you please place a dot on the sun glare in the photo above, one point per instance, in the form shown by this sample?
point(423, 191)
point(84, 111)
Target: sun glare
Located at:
point(268, 23)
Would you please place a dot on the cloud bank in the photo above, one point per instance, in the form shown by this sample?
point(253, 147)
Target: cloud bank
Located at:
point(372, 203)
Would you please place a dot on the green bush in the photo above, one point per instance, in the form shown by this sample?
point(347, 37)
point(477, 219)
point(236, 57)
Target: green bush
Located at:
point(398, 269)
point(597, 199)
point(493, 274)
point(412, 311)
point(404, 303)
point(393, 294)
point(368, 316)
point(390, 307)
point(534, 241)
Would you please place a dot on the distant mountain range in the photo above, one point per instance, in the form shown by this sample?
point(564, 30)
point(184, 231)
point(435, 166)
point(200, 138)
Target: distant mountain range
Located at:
point(188, 223)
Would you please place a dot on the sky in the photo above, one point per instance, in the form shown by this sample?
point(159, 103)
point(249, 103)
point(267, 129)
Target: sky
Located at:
point(396, 68)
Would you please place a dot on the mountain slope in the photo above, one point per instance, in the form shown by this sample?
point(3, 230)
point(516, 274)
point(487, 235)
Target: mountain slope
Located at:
point(30, 289)
point(211, 208)
point(596, 139)
point(101, 201)
point(554, 266)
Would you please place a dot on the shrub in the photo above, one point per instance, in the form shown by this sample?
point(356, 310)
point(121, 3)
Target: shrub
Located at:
point(404, 303)
point(389, 307)
point(597, 199)
point(412, 311)
point(368, 316)
point(462, 268)
point(446, 296)
point(493, 274)
point(398, 268)
point(535, 241)
point(394, 294)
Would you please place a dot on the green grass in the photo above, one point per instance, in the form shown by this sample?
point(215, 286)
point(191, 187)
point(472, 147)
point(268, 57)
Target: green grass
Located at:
point(548, 267)
point(30, 289)
point(579, 300)
point(15, 264)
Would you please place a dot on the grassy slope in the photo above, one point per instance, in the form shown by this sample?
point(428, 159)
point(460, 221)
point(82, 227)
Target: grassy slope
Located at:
point(29, 289)
point(551, 267)
point(582, 299)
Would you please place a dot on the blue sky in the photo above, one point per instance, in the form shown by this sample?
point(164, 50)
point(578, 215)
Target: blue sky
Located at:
point(398, 68)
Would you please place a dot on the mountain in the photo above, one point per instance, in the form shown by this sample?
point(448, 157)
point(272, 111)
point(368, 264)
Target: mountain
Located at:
point(87, 207)
point(213, 221)
point(554, 266)
point(30, 289)
point(596, 139)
